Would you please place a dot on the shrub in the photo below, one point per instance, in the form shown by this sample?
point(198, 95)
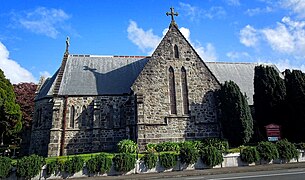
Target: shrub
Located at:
point(188, 153)
point(168, 159)
point(211, 156)
point(5, 166)
point(167, 146)
point(221, 145)
point(301, 146)
point(249, 155)
point(287, 150)
point(127, 146)
point(53, 167)
point(99, 163)
point(124, 162)
point(29, 166)
point(267, 151)
point(151, 147)
point(150, 160)
point(73, 165)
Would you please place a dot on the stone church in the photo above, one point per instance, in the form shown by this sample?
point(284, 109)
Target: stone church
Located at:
point(93, 102)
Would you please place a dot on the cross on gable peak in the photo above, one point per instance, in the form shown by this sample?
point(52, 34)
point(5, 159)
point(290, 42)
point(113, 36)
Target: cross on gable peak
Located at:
point(172, 14)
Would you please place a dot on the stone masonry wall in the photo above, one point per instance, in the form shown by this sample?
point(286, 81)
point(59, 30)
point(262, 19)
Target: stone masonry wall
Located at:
point(155, 121)
point(99, 123)
point(41, 125)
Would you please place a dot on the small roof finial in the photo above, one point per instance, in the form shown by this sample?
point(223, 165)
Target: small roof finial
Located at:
point(172, 14)
point(67, 45)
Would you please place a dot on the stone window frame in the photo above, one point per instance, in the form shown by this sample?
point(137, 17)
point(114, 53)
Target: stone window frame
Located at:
point(84, 116)
point(72, 117)
point(176, 51)
point(39, 117)
point(172, 90)
point(184, 91)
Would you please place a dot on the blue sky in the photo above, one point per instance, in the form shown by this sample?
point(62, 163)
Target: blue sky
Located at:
point(33, 32)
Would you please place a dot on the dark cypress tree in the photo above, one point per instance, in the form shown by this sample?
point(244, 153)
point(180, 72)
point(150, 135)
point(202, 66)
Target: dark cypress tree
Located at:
point(295, 125)
point(10, 114)
point(236, 119)
point(269, 98)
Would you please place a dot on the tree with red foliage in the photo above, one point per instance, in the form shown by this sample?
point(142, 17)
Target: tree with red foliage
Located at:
point(25, 94)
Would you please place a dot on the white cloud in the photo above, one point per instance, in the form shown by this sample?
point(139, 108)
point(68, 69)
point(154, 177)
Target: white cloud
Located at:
point(12, 70)
point(145, 40)
point(279, 38)
point(248, 36)
point(196, 13)
point(233, 2)
point(237, 55)
point(45, 74)
point(43, 21)
point(257, 11)
point(296, 6)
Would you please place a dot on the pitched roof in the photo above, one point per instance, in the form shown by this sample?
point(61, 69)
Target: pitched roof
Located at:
point(114, 75)
point(241, 73)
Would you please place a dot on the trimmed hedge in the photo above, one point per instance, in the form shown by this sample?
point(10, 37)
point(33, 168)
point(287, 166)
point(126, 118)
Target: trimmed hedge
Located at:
point(188, 153)
point(167, 146)
point(211, 156)
point(267, 151)
point(124, 162)
point(73, 165)
point(150, 160)
point(29, 166)
point(99, 164)
point(5, 166)
point(168, 159)
point(287, 150)
point(127, 146)
point(249, 155)
point(221, 145)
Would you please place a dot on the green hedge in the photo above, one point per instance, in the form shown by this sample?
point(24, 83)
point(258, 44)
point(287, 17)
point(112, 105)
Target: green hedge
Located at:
point(220, 144)
point(287, 150)
point(127, 146)
point(211, 156)
point(99, 164)
point(168, 159)
point(73, 165)
point(249, 155)
point(267, 151)
point(5, 166)
point(188, 153)
point(29, 166)
point(124, 162)
point(150, 160)
point(167, 146)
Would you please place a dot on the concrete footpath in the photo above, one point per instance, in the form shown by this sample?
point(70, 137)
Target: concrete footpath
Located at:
point(185, 173)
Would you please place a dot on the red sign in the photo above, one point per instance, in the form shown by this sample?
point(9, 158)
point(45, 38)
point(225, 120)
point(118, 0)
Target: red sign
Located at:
point(273, 130)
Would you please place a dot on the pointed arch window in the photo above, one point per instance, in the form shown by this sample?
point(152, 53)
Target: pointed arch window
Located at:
point(184, 91)
point(176, 51)
point(72, 116)
point(84, 116)
point(172, 92)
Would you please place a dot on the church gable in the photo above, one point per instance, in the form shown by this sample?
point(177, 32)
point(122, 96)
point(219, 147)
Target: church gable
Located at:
point(176, 86)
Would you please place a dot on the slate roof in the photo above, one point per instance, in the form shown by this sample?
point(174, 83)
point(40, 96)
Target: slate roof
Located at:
point(114, 75)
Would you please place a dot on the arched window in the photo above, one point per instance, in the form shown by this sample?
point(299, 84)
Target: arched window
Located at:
point(172, 91)
point(84, 116)
point(39, 116)
point(184, 91)
point(72, 116)
point(176, 52)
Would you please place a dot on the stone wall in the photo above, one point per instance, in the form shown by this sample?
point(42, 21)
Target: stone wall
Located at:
point(99, 123)
point(155, 121)
point(41, 125)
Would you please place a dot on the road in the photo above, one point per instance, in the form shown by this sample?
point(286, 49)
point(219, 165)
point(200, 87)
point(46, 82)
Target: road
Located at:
point(284, 174)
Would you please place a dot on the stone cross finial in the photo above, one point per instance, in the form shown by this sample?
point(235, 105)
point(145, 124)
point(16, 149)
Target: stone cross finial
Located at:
point(172, 14)
point(67, 44)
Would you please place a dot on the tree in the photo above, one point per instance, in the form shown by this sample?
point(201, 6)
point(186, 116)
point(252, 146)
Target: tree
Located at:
point(10, 114)
point(295, 85)
point(269, 97)
point(236, 118)
point(25, 95)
